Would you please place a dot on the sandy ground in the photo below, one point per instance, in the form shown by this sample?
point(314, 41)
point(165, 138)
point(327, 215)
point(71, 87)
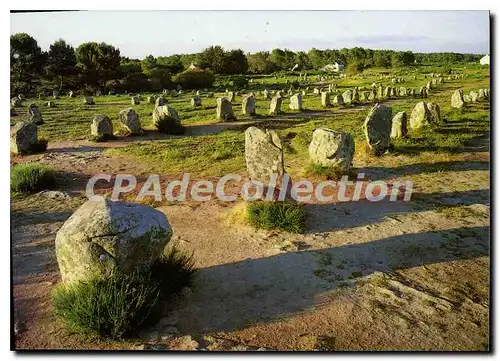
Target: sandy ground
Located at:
point(365, 276)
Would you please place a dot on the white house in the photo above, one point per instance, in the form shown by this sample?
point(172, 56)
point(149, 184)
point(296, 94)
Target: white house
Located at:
point(333, 67)
point(485, 60)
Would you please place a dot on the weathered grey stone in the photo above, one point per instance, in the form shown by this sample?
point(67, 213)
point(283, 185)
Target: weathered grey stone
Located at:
point(296, 102)
point(103, 237)
point(161, 101)
point(473, 96)
point(71, 94)
point(325, 99)
point(231, 96)
point(435, 113)
point(467, 98)
point(88, 101)
point(151, 99)
point(16, 102)
point(399, 125)
point(402, 91)
point(355, 96)
point(165, 116)
point(380, 92)
point(347, 96)
point(196, 102)
point(101, 126)
point(338, 100)
point(330, 148)
point(23, 136)
point(248, 105)
point(34, 115)
point(377, 128)
point(387, 92)
point(481, 94)
point(130, 120)
point(420, 116)
point(316, 91)
point(135, 100)
point(265, 92)
point(263, 154)
point(224, 110)
point(51, 104)
point(457, 99)
point(55, 94)
point(275, 107)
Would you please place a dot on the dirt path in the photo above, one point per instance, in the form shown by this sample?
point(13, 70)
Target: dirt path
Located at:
point(365, 276)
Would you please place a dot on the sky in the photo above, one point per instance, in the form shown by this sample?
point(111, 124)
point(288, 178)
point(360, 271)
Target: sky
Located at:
point(161, 33)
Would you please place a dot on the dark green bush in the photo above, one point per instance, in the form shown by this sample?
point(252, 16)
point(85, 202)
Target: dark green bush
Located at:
point(286, 216)
point(195, 79)
point(120, 304)
point(330, 173)
point(31, 177)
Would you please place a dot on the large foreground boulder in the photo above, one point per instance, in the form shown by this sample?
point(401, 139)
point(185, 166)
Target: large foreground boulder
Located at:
point(166, 120)
point(103, 237)
point(23, 137)
point(330, 148)
point(263, 154)
point(130, 120)
point(377, 128)
point(420, 116)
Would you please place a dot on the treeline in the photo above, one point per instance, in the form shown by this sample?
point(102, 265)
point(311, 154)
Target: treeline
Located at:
point(93, 67)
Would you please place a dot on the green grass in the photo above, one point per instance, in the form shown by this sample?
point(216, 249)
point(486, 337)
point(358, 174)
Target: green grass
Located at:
point(121, 304)
point(31, 178)
point(330, 173)
point(285, 216)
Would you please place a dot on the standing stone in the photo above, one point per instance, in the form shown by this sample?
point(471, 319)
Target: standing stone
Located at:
point(380, 92)
point(467, 98)
point(355, 96)
point(151, 99)
point(316, 91)
point(135, 100)
point(325, 99)
point(347, 96)
point(266, 94)
point(130, 120)
point(435, 112)
point(23, 137)
point(173, 93)
point(473, 96)
point(393, 92)
point(387, 92)
point(161, 101)
point(481, 94)
point(429, 85)
point(377, 128)
point(420, 116)
point(402, 91)
point(50, 105)
point(196, 102)
point(198, 93)
point(275, 107)
point(248, 105)
point(71, 94)
point(399, 125)
point(263, 154)
point(224, 110)
point(101, 126)
point(166, 120)
point(16, 102)
point(34, 115)
point(330, 148)
point(179, 87)
point(296, 102)
point(338, 100)
point(231, 96)
point(88, 101)
point(457, 99)
point(103, 237)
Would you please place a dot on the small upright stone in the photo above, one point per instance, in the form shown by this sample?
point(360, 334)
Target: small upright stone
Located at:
point(325, 99)
point(130, 120)
point(135, 100)
point(161, 101)
point(224, 110)
point(265, 93)
point(71, 94)
point(151, 99)
point(399, 125)
point(435, 113)
point(263, 154)
point(377, 128)
point(473, 96)
point(347, 96)
point(34, 115)
point(330, 148)
point(296, 102)
point(88, 101)
point(101, 126)
point(248, 105)
point(457, 99)
point(275, 107)
point(338, 100)
point(231, 96)
point(420, 116)
point(196, 102)
point(50, 105)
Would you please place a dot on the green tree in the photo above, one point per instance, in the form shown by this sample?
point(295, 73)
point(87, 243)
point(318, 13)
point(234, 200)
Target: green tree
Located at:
point(213, 58)
point(259, 63)
point(26, 61)
point(235, 62)
point(61, 61)
point(98, 63)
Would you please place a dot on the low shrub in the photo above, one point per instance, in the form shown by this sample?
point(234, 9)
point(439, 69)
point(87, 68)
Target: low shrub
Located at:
point(286, 216)
point(122, 303)
point(195, 79)
point(31, 177)
point(330, 173)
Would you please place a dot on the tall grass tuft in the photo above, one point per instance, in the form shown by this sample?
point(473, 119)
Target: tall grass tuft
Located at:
point(31, 177)
point(286, 216)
